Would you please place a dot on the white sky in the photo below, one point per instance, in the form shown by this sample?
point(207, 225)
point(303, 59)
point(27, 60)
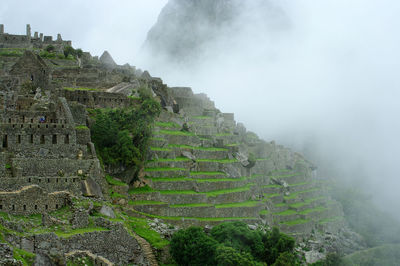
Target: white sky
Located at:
point(119, 26)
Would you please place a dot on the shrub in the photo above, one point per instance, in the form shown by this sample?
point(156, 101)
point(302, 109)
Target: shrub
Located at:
point(238, 236)
point(193, 247)
point(227, 256)
point(50, 48)
point(68, 50)
point(276, 243)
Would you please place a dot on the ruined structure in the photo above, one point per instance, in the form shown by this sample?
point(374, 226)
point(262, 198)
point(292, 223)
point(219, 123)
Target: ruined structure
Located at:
point(203, 167)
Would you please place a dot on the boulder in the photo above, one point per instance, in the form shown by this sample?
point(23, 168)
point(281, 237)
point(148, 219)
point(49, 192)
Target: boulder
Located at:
point(107, 211)
point(90, 188)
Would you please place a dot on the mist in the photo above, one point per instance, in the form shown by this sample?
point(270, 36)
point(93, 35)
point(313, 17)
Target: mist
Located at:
point(320, 77)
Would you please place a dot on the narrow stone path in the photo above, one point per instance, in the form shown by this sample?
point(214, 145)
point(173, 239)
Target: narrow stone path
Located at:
point(147, 250)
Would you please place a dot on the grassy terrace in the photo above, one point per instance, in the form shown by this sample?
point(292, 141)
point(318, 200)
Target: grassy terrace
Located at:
point(159, 149)
point(114, 182)
point(191, 205)
point(163, 169)
point(296, 222)
point(176, 133)
point(157, 139)
point(308, 201)
point(210, 219)
point(294, 195)
point(167, 124)
point(287, 212)
point(318, 209)
point(300, 184)
point(271, 186)
point(249, 203)
point(223, 134)
point(207, 173)
point(331, 219)
point(145, 202)
point(177, 159)
point(217, 160)
point(263, 212)
point(81, 89)
point(182, 179)
point(196, 148)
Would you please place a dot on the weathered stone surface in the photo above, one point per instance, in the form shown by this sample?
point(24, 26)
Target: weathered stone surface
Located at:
point(107, 211)
point(107, 60)
point(91, 188)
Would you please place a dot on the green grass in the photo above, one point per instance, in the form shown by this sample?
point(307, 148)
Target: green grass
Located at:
point(24, 256)
point(72, 232)
point(191, 205)
point(159, 149)
point(176, 133)
point(181, 179)
point(232, 145)
point(80, 89)
point(331, 219)
point(177, 159)
point(167, 124)
point(141, 227)
point(202, 117)
point(271, 186)
point(116, 195)
point(295, 222)
point(263, 212)
point(273, 195)
point(249, 203)
point(317, 209)
point(140, 190)
point(81, 127)
point(114, 182)
point(280, 205)
point(223, 134)
point(294, 195)
point(145, 202)
point(170, 192)
point(169, 179)
point(207, 173)
point(287, 212)
point(217, 160)
point(157, 139)
point(196, 148)
point(226, 191)
point(11, 52)
point(163, 169)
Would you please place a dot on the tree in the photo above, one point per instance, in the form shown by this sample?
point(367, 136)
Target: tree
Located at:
point(276, 243)
point(227, 256)
point(50, 48)
point(68, 50)
point(238, 236)
point(193, 247)
point(286, 259)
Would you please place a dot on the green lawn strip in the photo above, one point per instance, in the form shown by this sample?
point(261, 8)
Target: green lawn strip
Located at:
point(263, 212)
point(232, 145)
point(114, 182)
point(177, 159)
point(191, 205)
point(81, 127)
point(263, 159)
point(81, 89)
point(170, 179)
point(159, 149)
point(223, 134)
point(211, 219)
point(72, 232)
point(141, 190)
point(182, 146)
point(280, 171)
point(294, 195)
point(285, 176)
point(27, 258)
point(285, 213)
point(141, 227)
point(176, 133)
point(273, 195)
point(299, 184)
point(202, 117)
point(185, 192)
point(116, 195)
point(226, 191)
point(163, 169)
point(249, 203)
point(298, 204)
point(207, 173)
point(295, 222)
point(182, 179)
point(317, 209)
point(218, 160)
point(272, 186)
point(157, 139)
point(145, 202)
point(11, 53)
point(280, 205)
point(167, 124)
point(331, 219)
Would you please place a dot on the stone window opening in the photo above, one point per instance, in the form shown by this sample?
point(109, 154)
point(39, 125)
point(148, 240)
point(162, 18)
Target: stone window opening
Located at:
point(62, 126)
point(54, 140)
point(30, 126)
point(23, 119)
point(42, 139)
point(47, 126)
point(56, 206)
point(66, 140)
point(48, 180)
point(29, 180)
point(40, 180)
point(38, 126)
point(9, 120)
point(32, 120)
point(5, 141)
point(35, 207)
point(31, 77)
point(31, 139)
point(13, 126)
point(24, 207)
point(13, 207)
point(55, 126)
point(1, 207)
point(22, 126)
point(19, 139)
point(57, 180)
point(46, 206)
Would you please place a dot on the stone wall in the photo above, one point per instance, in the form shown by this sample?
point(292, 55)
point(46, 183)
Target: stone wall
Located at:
point(32, 199)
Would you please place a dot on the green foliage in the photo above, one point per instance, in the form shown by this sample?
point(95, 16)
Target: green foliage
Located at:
point(286, 259)
point(276, 243)
point(68, 50)
point(25, 257)
point(114, 182)
point(227, 256)
point(387, 255)
point(46, 54)
point(238, 236)
point(193, 247)
point(122, 136)
point(50, 48)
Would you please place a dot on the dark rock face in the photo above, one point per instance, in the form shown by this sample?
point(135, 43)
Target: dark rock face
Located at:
point(186, 30)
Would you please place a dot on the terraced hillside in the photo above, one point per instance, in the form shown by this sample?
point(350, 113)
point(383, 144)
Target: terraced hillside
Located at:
point(204, 168)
